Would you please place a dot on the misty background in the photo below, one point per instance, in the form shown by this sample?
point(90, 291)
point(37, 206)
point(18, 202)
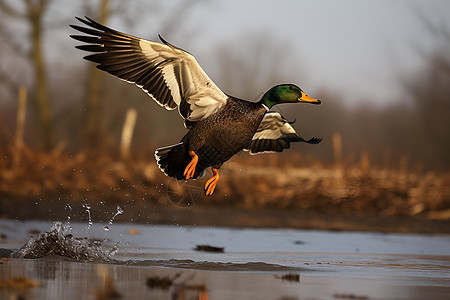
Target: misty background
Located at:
point(381, 69)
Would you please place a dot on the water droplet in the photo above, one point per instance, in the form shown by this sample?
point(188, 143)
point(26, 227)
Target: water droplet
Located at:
point(106, 228)
point(113, 250)
point(119, 212)
point(87, 208)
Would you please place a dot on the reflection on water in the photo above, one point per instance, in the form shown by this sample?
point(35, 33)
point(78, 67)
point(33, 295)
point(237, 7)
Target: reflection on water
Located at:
point(159, 262)
point(63, 279)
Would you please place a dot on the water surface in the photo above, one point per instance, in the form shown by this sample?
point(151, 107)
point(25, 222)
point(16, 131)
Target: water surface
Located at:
point(159, 262)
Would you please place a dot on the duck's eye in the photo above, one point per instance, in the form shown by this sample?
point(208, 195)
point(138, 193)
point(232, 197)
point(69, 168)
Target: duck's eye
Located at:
point(291, 88)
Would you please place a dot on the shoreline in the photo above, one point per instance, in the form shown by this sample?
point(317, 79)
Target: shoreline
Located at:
point(242, 218)
point(267, 193)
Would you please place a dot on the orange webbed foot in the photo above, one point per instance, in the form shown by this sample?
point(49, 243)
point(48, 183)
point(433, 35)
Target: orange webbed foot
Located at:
point(190, 168)
point(212, 182)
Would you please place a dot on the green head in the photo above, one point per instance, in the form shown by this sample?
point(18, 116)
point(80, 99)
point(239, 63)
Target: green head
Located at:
point(286, 93)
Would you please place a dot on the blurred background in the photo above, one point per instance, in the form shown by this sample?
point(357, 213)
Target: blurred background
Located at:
point(72, 134)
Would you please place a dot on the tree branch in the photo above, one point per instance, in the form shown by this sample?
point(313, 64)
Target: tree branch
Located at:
point(11, 11)
point(11, 43)
point(8, 83)
point(43, 5)
point(176, 16)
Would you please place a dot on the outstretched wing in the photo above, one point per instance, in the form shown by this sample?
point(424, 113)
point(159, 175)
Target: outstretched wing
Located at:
point(170, 75)
point(275, 134)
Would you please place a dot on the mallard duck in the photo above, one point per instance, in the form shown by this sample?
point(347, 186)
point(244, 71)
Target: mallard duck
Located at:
point(219, 125)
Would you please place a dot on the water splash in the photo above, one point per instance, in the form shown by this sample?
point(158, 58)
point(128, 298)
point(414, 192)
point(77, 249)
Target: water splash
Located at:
point(118, 212)
point(67, 207)
point(87, 208)
point(60, 241)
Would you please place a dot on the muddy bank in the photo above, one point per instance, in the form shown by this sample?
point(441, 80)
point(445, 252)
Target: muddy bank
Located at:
point(202, 215)
point(56, 185)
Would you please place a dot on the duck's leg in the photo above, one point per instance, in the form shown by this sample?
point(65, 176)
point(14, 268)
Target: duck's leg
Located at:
point(190, 168)
point(212, 182)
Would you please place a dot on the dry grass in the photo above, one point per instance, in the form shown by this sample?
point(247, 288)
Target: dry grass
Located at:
point(57, 178)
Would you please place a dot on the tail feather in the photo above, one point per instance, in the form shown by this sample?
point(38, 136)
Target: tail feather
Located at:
point(172, 160)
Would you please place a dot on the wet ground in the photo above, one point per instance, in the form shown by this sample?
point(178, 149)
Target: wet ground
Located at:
point(108, 261)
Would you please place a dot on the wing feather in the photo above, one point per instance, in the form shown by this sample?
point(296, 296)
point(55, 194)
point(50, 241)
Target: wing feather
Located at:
point(168, 74)
point(275, 134)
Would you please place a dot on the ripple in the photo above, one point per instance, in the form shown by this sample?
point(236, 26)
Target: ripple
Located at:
point(216, 266)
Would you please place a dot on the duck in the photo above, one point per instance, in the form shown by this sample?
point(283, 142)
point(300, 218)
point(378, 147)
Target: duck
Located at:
point(219, 125)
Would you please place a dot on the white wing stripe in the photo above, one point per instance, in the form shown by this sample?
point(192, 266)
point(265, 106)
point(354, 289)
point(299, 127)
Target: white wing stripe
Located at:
point(273, 134)
point(273, 126)
point(192, 84)
point(170, 75)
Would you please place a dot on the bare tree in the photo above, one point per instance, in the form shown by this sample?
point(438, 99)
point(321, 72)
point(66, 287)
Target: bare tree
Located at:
point(93, 125)
point(429, 91)
point(256, 65)
point(33, 14)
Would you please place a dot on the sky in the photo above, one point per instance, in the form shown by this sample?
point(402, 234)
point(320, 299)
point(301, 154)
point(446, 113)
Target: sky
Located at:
point(353, 47)
point(356, 48)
